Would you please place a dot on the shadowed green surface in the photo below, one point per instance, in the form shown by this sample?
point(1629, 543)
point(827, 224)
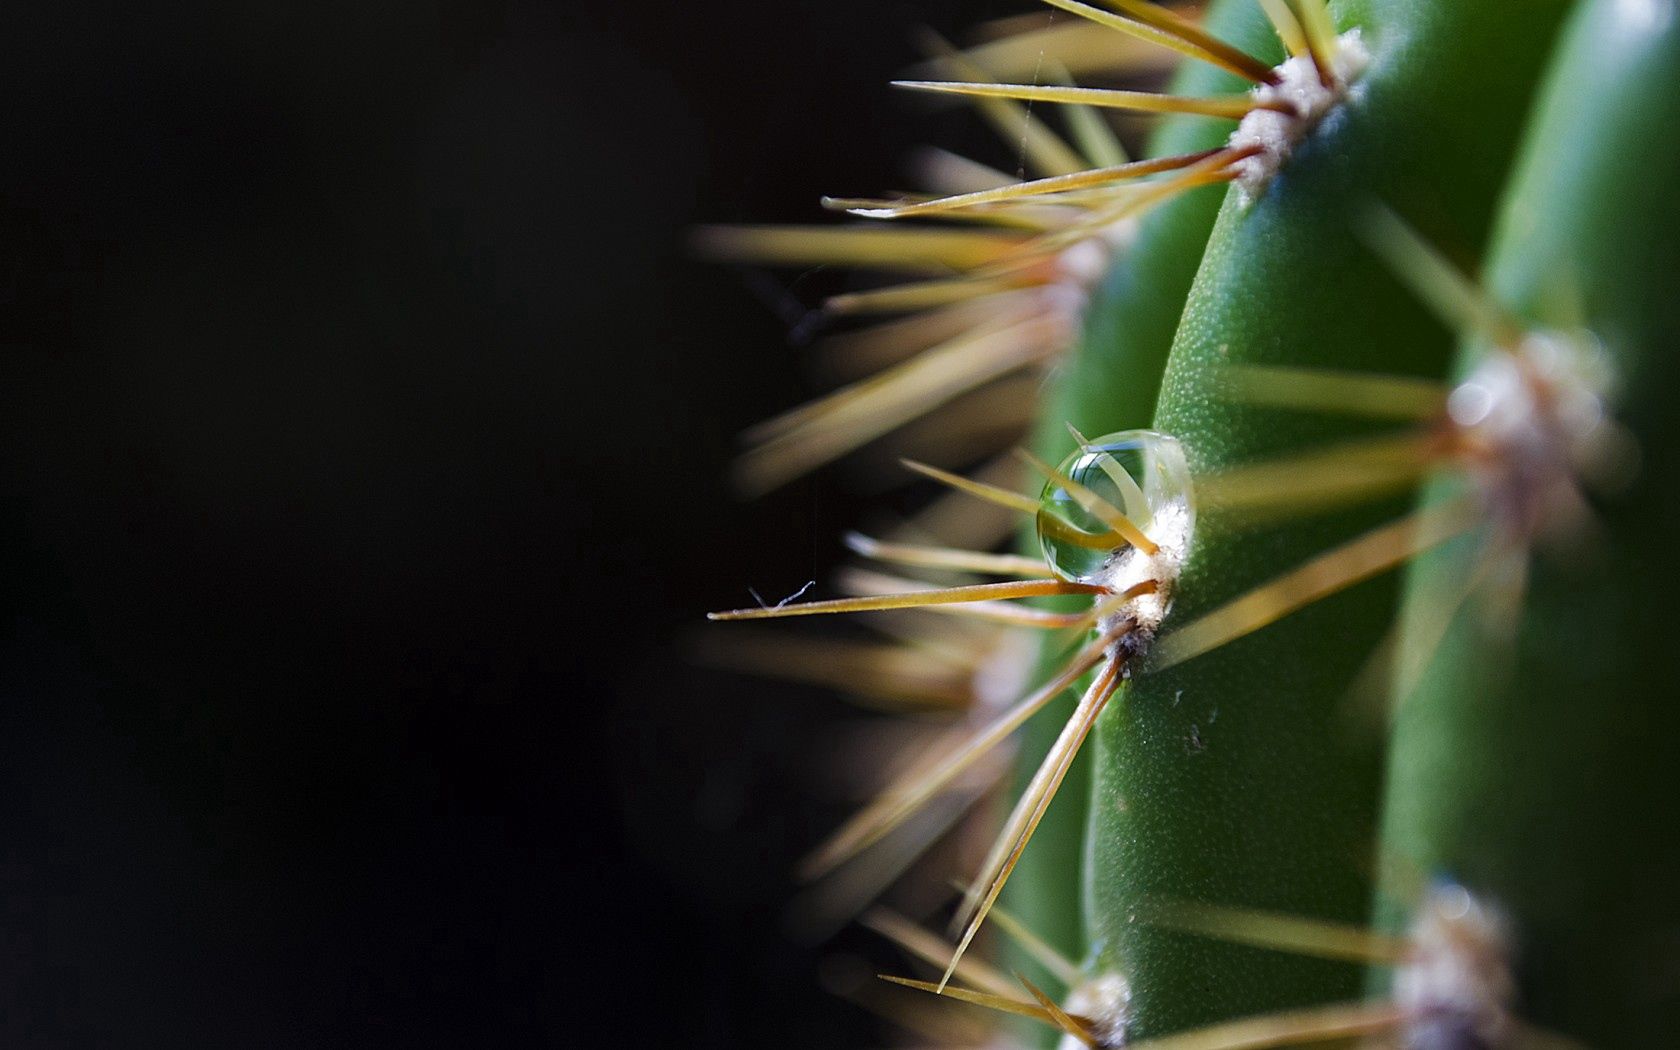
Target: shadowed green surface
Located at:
point(1544, 776)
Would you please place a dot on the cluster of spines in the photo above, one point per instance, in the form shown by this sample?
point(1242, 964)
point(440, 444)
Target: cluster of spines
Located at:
point(1341, 475)
point(1004, 291)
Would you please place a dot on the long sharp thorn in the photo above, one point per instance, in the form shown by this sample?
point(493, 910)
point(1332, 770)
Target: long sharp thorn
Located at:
point(1344, 393)
point(1113, 603)
point(892, 675)
point(918, 295)
point(1287, 25)
point(1319, 47)
point(1059, 965)
point(1136, 503)
point(932, 949)
point(1424, 639)
point(1065, 1021)
point(1365, 556)
point(865, 351)
point(1090, 129)
point(1018, 831)
point(943, 596)
point(1456, 299)
point(826, 908)
point(1288, 933)
point(1095, 505)
point(1289, 1028)
point(913, 250)
point(965, 995)
point(904, 797)
point(865, 410)
point(1164, 18)
point(1039, 187)
point(1232, 107)
point(1207, 168)
point(978, 489)
point(861, 583)
point(1312, 481)
point(1082, 46)
point(1040, 147)
point(1222, 55)
point(944, 557)
point(989, 324)
point(1018, 502)
point(1320, 31)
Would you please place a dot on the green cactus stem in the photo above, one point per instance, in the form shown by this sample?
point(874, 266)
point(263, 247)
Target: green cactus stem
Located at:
point(1226, 778)
point(1545, 780)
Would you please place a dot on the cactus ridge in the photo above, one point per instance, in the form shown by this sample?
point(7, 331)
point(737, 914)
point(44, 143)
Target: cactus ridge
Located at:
point(1229, 545)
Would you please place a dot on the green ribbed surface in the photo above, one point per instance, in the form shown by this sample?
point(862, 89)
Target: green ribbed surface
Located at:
point(1230, 779)
point(1546, 776)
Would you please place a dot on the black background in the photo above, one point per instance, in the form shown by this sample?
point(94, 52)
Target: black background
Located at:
point(361, 443)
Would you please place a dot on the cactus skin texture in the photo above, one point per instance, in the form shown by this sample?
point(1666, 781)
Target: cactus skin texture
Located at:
point(1535, 769)
point(1228, 778)
point(1110, 384)
point(1547, 781)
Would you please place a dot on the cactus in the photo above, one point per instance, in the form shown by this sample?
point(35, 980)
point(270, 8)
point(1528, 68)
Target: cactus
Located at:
point(1227, 573)
point(1228, 778)
point(1535, 759)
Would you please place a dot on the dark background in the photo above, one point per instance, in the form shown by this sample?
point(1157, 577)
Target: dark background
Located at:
point(362, 424)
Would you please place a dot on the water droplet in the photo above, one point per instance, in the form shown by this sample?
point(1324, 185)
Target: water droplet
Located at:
point(1139, 473)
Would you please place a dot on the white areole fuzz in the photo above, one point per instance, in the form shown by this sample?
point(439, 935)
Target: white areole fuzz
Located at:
point(1170, 529)
point(1455, 989)
point(1304, 100)
point(1105, 1000)
point(1540, 410)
